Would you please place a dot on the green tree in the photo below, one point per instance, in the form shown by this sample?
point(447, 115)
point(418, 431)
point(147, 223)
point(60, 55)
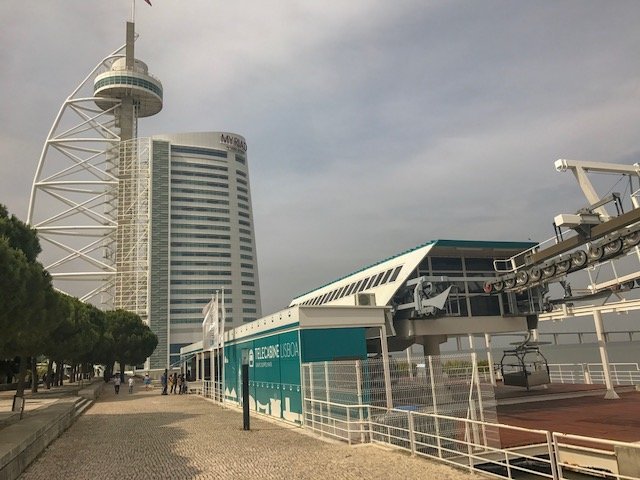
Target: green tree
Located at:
point(26, 290)
point(133, 341)
point(19, 234)
point(13, 292)
point(33, 321)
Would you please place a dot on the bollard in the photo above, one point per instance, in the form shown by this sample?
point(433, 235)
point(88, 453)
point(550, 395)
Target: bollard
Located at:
point(246, 359)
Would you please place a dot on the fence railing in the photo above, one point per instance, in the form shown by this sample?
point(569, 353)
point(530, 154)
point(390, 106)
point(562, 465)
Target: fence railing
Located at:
point(462, 442)
point(593, 373)
point(447, 384)
point(211, 390)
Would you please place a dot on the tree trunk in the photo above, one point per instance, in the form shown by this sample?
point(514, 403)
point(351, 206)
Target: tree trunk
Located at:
point(34, 374)
point(22, 373)
point(60, 373)
point(49, 378)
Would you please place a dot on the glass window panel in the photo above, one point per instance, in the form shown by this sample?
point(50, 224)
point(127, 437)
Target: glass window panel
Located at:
point(395, 274)
point(484, 305)
point(479, 264)
point(446, 263)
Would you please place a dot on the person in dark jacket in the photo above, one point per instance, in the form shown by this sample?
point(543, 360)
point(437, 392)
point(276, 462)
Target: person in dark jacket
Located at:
point(164, 379)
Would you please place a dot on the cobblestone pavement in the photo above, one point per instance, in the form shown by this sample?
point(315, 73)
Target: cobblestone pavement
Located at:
point(145, 435)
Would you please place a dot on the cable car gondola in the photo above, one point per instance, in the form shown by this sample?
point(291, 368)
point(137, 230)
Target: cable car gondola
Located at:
point(525, 365)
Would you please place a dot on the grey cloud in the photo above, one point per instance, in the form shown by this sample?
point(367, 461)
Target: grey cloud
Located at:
point(372, 125)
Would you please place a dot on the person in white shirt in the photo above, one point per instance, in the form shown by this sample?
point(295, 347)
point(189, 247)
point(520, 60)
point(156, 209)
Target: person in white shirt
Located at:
point(130, 384)
point(116, 383)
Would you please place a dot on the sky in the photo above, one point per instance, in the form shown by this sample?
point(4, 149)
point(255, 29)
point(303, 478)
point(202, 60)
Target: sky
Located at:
point(372, 126)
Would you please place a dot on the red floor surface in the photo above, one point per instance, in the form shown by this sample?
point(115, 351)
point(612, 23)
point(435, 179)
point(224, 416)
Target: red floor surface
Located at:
point(590, 416)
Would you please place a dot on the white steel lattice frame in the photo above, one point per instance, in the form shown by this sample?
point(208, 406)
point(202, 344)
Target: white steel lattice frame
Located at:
point(132, 259)
point(74, 200)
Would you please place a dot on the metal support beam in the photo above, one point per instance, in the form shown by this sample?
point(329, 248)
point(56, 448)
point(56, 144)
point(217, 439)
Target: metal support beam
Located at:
point(567, 311)
point(604, 357)
point(385, 365)
point(492, 373)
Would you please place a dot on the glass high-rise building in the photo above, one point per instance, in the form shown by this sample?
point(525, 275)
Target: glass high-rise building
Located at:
point(201, 237)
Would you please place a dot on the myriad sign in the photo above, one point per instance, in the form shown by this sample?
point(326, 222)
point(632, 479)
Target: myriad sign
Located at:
point(234, 142)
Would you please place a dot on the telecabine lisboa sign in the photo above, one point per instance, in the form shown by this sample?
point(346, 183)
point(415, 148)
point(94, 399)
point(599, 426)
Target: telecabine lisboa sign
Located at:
point(233, 142)
point(272, 352)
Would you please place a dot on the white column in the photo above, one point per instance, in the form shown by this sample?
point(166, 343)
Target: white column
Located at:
point(492, 373)
point(409, 362)
point(604, 356)
point(212, 374)
point(385, 365)
point(471, 346)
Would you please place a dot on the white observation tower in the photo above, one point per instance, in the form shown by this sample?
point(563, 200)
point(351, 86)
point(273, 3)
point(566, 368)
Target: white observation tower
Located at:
point(90, 194)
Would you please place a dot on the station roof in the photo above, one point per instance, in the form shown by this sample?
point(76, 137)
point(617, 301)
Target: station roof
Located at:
point(407, 261)
point(297, 318)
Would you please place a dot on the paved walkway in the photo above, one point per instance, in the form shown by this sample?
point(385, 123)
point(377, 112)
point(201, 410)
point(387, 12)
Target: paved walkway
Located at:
point(36, 400)
point(146, 435)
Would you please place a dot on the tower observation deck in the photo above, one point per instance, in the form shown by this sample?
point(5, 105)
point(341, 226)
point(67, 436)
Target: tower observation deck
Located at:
point(121, 82)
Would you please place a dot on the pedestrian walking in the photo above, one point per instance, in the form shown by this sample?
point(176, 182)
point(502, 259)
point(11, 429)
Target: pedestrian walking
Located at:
point(180, 383)
point(116, 384)
point(130, 384)
point(163, 381)
point(147, 381)
point(174, 383)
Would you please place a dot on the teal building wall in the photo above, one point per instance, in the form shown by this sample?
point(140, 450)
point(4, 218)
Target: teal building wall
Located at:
point(274, 366)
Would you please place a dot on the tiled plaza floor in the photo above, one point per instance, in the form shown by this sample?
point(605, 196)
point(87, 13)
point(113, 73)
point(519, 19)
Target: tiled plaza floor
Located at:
point(145, 435)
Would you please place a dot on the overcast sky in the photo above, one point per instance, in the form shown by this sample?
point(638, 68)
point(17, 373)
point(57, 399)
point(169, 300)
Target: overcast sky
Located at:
point(372, 125)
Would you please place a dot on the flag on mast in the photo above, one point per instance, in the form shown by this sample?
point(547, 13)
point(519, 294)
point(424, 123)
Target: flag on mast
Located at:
point(213, 327)
point(210, 322)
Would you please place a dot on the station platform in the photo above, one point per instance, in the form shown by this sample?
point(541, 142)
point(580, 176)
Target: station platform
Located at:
point(569, 408)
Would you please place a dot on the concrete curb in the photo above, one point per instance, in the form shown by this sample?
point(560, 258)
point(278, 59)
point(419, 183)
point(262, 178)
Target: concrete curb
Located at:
point(93, 391)
point(23, 441)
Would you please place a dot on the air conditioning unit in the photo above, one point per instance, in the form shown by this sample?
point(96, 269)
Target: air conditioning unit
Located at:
point(366, 299)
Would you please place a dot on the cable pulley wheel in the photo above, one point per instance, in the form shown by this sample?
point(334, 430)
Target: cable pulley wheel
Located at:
point(579, 259)
point(632, 239)
point(614, 247)
point(535, 274)
point(548, 271)
point(563, 266)
point(522, 278)
point(595, 252)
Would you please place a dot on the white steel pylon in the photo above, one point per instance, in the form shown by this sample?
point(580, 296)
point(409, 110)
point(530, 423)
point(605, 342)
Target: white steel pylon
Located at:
point(73, 202)
point(74, 193)
point(90, 199)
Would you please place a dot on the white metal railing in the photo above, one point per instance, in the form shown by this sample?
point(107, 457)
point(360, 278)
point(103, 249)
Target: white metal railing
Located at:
point(618, 458)
point(577, 338)
point(457, 441)
point(348, 422)
point(593, 373)
point(212, 390)
point(463, 442)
